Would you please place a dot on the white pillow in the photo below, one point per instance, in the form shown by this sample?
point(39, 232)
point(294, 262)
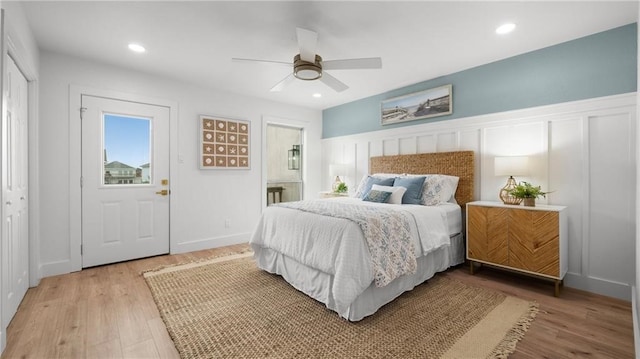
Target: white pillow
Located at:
point(396, 192)
point(453, 183)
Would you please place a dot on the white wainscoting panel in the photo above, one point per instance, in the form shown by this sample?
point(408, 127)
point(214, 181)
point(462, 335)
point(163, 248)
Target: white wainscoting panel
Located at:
point(447, 141)
point(583, 151)
point(517, 139)
point(407, 145)
point(390, 147)
point(612, 197)
point(426, 143)
point(376, 148)
point(566, 164)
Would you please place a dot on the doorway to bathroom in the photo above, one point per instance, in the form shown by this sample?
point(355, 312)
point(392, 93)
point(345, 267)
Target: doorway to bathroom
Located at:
point(284, 163)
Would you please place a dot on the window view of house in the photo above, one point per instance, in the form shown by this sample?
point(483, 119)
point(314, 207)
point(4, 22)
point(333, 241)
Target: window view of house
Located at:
point(126, 150)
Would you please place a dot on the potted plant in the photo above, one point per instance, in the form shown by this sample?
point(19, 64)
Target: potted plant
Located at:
point(528, 193)
point(342, 188)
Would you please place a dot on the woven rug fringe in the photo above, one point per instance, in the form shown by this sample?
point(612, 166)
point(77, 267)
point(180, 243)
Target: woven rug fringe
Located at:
point(508, 344)
point(192, 261)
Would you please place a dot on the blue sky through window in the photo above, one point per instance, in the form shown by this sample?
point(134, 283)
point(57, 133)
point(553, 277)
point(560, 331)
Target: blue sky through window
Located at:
point(126, 139)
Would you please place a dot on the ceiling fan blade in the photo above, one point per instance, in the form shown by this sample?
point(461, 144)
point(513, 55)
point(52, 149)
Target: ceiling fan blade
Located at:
point(333, 82)
point(307, 41)
point(235, 59)
point(282, 84)
point(353, 64)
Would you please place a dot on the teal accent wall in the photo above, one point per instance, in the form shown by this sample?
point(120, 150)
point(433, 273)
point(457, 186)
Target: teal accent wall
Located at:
point(598, 65)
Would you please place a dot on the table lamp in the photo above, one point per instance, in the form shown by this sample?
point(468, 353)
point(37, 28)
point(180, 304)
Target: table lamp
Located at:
point(337, 170)
point(510, 166)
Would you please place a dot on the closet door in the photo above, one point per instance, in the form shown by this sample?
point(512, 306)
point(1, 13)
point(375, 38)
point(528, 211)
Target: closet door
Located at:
point(15, 164)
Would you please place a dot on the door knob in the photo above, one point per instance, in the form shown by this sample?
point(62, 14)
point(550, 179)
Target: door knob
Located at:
point(164, 192)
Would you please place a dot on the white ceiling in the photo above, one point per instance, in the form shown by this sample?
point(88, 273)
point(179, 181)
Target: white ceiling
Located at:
point(417, 41)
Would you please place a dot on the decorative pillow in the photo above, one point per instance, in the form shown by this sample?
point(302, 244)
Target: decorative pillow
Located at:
point(368, 181)
point(360, 189)
point(377, 196)
point(396, 192)
point(413, 195)
point(453, 185)
point(439, 189)
point(431, 196)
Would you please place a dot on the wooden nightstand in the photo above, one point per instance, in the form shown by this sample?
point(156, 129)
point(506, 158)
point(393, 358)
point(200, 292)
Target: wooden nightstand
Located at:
point(330, 194)
point(531, 240)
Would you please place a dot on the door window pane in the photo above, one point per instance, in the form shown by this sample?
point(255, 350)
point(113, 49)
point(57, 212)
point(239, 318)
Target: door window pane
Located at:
point(126, 155)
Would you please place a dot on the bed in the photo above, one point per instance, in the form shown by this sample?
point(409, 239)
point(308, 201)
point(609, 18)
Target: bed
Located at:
point(330, 258)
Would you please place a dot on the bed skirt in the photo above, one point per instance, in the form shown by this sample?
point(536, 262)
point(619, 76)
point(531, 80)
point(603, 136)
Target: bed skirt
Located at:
point(318, 284)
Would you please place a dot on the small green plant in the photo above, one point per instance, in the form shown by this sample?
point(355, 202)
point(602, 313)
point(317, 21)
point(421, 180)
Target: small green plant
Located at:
point(342, 188)
point(527, 190)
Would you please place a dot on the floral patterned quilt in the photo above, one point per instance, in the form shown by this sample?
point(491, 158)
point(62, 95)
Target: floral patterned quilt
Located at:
point(386, 230)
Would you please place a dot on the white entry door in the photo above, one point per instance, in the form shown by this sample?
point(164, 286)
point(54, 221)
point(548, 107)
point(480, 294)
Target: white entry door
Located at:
point(15, 163)
point(125, 180)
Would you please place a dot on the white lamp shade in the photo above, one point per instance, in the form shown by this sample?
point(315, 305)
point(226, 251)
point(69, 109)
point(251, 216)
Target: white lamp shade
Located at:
point(337, 169)
point(511, 166)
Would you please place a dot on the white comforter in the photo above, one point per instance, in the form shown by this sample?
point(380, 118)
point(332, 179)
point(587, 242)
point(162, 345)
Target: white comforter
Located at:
point(337, 246)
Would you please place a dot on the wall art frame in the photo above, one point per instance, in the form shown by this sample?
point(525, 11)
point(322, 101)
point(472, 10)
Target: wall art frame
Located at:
point(433, 102)
point(225, 143)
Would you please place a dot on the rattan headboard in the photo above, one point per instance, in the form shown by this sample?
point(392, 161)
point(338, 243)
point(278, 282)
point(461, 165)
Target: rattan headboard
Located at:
point(458, 163)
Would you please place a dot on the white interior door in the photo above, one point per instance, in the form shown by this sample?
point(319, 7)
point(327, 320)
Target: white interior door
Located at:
point(125, 180)
point(15, 229)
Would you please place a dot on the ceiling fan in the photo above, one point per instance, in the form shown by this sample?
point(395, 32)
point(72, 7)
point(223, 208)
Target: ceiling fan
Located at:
point(309, 66)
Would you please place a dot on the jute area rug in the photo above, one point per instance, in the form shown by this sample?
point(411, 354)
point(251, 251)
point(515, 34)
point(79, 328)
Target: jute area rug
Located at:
point(228, 308)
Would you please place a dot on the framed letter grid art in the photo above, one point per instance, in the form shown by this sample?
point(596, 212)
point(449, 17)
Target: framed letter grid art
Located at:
point(224, 143)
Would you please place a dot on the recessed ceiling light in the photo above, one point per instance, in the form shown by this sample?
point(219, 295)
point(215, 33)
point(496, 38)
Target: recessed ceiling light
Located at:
point(137, 48)
point(317, 95)
point(505, 28)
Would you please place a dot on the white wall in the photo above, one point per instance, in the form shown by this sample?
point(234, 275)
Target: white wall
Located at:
point(201, 199)
point(20, 36)
point(582, 151)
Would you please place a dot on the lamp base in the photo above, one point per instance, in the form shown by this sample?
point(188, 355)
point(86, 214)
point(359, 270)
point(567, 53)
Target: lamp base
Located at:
point(336, 183)
point(505, 194)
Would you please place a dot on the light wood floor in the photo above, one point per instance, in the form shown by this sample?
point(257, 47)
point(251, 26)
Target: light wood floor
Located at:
point(108, 312)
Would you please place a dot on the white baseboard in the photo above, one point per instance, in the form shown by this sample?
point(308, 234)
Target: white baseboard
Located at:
point(208, 243)
point(64, 266)
point(599, 286)
point(3, 340)
point(55, 268)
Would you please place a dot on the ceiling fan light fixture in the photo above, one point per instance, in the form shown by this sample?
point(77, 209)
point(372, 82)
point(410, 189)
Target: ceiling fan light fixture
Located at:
point(307, 71)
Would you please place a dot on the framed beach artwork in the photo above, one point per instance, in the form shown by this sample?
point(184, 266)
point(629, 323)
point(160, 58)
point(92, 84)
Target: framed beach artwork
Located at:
point(224, 143)
point(418, 105)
